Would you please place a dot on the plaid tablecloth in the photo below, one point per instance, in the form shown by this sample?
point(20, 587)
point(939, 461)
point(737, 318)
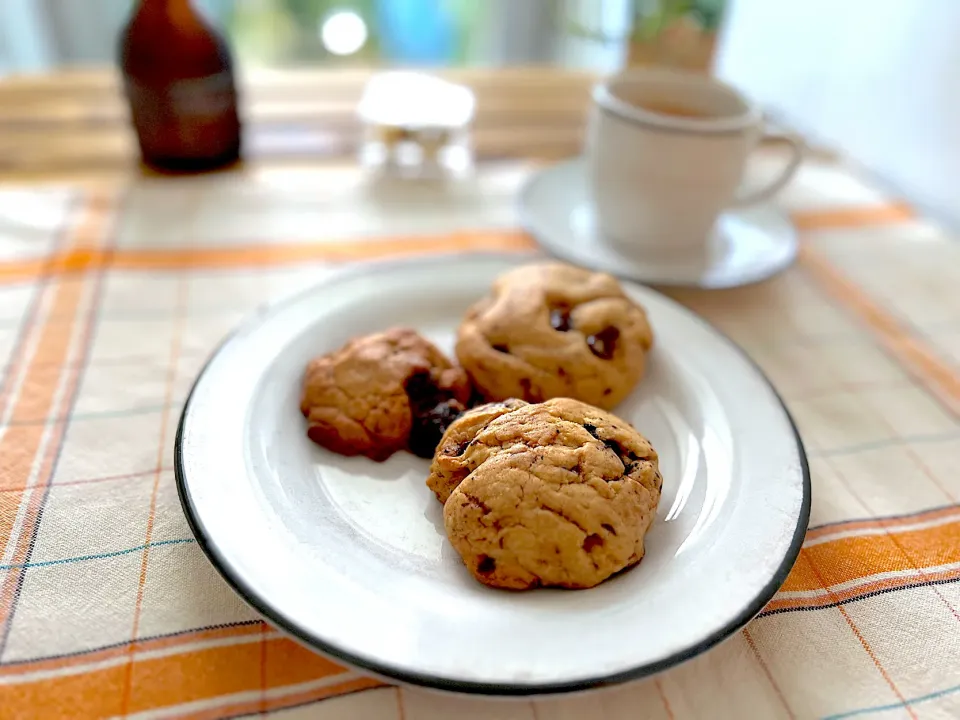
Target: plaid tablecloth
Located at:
point(112, 297)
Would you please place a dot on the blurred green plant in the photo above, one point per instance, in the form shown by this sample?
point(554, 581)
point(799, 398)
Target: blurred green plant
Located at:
point(282, 31)
point(647, 25)
point(650, 18)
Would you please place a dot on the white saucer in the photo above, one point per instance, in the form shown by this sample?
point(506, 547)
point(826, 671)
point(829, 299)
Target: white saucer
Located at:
point(350, 556)
point(748, 245)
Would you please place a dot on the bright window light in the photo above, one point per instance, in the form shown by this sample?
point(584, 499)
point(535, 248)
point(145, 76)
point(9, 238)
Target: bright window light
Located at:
point(343, 32)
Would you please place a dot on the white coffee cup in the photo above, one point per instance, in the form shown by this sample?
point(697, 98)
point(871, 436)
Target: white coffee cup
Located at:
point(666, 152)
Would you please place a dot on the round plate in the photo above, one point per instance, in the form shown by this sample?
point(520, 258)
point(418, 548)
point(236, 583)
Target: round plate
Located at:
point(350, 556)
point(747, 246)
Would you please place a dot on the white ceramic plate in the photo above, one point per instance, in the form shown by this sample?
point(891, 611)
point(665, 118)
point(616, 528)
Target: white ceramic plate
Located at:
point(350, 557)
point(747, 245)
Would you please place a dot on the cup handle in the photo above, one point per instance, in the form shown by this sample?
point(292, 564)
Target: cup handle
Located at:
point(798, 150)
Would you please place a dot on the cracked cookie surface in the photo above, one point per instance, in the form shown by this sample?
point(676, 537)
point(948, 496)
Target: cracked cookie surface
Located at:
point(553, 330)
point(381, 393)
point(557, 494)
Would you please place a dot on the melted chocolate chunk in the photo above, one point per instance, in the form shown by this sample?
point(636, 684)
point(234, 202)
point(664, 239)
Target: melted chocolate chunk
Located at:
point(604, 343)
point(620, 451)
point(592, 541)
point(432, 411)
point(421, 391)
point(486, 565)
point(428, 427)
point(560, 319)
point(476, 398)
point(502, 349)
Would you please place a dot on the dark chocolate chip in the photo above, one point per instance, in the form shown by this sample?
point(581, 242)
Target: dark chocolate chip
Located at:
point(592, 541)
point(486, 565)
point(477, 503)
point(476, 398)
point(502, 349)
point(607, 391)
point(457, 450)
point(592, 429)
point(604, 343)
point(560, 319)
point(428, 427)
point(421, 391)
point(609, 529)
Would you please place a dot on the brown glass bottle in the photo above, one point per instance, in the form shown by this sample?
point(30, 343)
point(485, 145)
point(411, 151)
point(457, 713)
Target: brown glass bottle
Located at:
point(179, 81)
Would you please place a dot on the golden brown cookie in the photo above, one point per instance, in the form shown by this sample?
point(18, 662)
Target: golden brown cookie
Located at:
point(552, 494)
point(381, 393)
point(554, 330)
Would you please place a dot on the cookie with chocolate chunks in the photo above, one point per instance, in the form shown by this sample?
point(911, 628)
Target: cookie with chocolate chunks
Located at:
point(558, 493)
point(553, 330)
point(382, 393)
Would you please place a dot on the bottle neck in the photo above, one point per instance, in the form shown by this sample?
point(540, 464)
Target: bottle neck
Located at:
point(166, 5)
point(173, 9)
point(178, 13)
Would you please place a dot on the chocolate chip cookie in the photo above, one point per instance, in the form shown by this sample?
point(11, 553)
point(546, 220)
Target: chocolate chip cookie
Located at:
point(381, 393)
point(553, 330)
point(551, 494)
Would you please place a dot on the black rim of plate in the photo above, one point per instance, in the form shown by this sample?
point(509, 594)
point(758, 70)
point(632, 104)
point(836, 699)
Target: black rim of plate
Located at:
point(389, 672)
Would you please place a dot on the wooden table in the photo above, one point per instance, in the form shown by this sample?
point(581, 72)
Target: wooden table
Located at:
point(77, 123)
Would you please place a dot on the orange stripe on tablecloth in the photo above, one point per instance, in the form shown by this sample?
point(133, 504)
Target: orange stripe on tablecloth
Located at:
point(222, 258)
point(166, 681)
point(190, 638)
point(262, 254)
point(889, 523)
point(82, 259)
point(848, 559)
point(20, 444)
point(824, 600)
point(914, 355)
point(852, 217)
